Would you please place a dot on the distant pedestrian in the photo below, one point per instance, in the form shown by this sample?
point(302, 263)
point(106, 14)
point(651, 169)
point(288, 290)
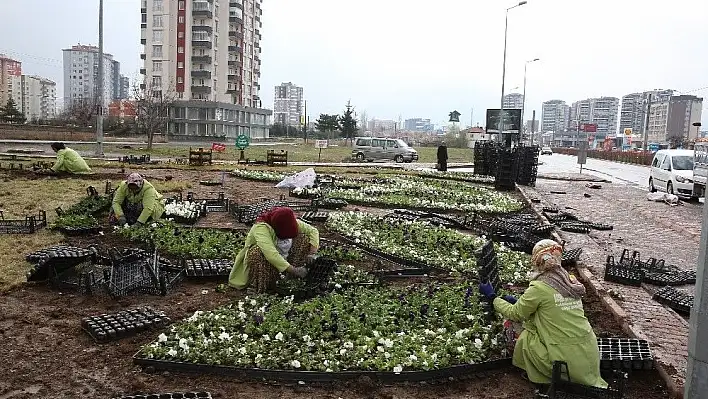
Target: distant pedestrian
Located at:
point(442, 157)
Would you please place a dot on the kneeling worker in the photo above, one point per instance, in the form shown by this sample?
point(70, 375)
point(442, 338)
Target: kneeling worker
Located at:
point(68, 161)
point(136, 201)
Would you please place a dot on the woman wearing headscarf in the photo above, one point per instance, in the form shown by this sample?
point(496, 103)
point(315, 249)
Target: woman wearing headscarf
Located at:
point(68, 160)
point(276, 243)
point(555, 327)
point(136, 201)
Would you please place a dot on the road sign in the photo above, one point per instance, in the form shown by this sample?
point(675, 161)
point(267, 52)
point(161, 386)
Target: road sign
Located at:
point(628, 131)
point(242, 142)
point(320, 143)
point(582, 154)
point(218, 147)
point(588, 127)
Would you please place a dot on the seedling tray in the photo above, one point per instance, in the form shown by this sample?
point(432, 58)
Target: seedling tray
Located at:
point(443, 375)
point(249, 213)
point(331, 203)
point(675, 299)
point(571, 257)
point(111, 327)
point(183, 395)
point(562, 388)
point(574, 227)
point(625, 354)
point(195, 268)
point(90, 280)
point(28, 225)
point(624, 275)
point(627, 260)
point(53, 261)
point(673, 278)
point(315, 216)
point(218, 204)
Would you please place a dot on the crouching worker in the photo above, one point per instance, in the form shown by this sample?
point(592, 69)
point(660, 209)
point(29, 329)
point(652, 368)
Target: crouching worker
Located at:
point(68, 162)
point(555, 327)
point(277, 243)
point(136, 201)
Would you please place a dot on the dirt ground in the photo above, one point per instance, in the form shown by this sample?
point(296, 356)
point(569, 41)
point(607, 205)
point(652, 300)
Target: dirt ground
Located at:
point(46, 354)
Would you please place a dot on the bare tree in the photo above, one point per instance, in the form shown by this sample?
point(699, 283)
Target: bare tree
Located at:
point(152, 106)
point(82, 112)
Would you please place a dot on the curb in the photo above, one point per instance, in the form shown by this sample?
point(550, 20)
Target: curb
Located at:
point(619, 314)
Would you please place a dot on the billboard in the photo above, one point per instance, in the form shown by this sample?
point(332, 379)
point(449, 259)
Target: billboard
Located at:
point(511, 121)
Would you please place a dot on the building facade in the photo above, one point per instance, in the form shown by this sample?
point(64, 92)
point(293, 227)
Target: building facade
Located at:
point(205, 54)
point(124, 88)
point(513, 101)
point(288, 105)
point(601, 111)
point(634, 108)
point(39, 98)
point(381, 126)
point(81, 76)
point(674, 119)
point(418, 125)
point(10, 80)
point(555, 116)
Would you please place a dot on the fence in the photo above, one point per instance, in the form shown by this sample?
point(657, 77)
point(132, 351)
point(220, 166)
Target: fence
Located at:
point(634, 157)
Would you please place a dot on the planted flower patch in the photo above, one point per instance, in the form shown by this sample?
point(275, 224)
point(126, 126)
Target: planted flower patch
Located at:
point(379, 329)
point(176, 241)
point(76, 224)
point(423, 243)
point(429, 194)
point(186, 212)
point(259, 175)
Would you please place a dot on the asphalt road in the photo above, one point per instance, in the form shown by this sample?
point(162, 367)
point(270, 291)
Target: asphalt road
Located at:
point(616, 172)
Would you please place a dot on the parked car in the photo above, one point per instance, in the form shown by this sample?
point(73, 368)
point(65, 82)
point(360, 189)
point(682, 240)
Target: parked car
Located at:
point(546, 151)
point(672, 171)
point(380, 148)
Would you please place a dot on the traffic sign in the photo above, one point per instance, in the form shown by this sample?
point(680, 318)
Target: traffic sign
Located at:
point(628, 131)
point(242, 142)
point(320, 143)
point(588, 127)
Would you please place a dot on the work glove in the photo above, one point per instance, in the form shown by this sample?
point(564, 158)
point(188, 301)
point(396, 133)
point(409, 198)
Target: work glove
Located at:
point(487, 290)
point(509, 298)
point(122, 221)
point(299, 272)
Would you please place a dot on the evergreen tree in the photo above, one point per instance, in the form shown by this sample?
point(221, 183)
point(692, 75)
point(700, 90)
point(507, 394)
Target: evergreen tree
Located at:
point(347, 123)
point(11, 114)
point(327, 124)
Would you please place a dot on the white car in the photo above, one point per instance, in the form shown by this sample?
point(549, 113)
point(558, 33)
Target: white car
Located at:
point(546, 151)
point(672, 171)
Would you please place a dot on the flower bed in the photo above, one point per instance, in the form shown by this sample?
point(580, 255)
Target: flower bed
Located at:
point(425, 244)
point(458, 176)
point(76, 224)
point(186, 212)
point(306, 193)
point(188, 243)
point(380, 329)
point(429, 194)
point(259, 175)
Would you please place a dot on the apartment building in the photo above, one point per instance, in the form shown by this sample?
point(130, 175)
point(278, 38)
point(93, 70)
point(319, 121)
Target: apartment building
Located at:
point(288, 105)
point(602, 111)
point(674, 118)
point(513, 101)
point(124, 88)
point(555, 116)
point(81, 76)
point(39, 98)
point(206, 55)
point(380, 126)
point(418, 125)
point(10, 80)
point(634, 108)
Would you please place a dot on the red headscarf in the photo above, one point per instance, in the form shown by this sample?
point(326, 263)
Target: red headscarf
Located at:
point(282, 220)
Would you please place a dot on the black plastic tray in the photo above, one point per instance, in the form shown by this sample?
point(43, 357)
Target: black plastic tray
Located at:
point(196, 268)
point(467, 370)
point(315, 216)
point(218, 204)
point(393, 258)
point(169, 395)
point(570, 257)
point(675, 299)
point(624, 275)
point(625, 354)
point(111, 327)
point(28, 225)
point(673, 278)
point(562, 388)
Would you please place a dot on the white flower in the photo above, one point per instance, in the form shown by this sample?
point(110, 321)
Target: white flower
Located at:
point(380, 348)
point(494, 341)
point(224, 336)
point(348, 345)
point(342, 351)
point(172, 353)
point(413, 357)
point(295, 363)
point(253, 302)
point(183, 344)
point(242, 350)
point(153, 225)
point(461, 349)
point(478, 343)
point(279, 336)
point(470, 317)
point(337, 286)
point(306, 338)
point(244, 337)
point(398, 369)
point(162, 338)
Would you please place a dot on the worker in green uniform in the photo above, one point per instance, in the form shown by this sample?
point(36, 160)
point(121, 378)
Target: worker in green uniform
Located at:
point(276, 243)
point(136, 201)
point(555, 327)
point(68, 161)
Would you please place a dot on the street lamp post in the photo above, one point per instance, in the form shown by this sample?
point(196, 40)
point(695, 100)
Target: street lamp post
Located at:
point(99, 97)
point(523, 104)
point(501, 106)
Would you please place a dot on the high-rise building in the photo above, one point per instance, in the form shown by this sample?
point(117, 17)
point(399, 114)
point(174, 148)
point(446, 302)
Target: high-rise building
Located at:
point(10, 80)
point(555, 116)
point(634, 108)
point(380, 126)
point(205, 54)
point(418, 125)
point(289, 103)
point(81, 76)
point(674, 118)
point(513, 101)
point(39, 98)
point(600, 111)
point(124, 88)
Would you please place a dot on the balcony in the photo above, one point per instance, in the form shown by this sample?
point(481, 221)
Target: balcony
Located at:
point(234, 19)
point(201, 74)
point(201, 59)
point(233, 33)
point(143, 41)
point(202, 43)
point(143, 71)
point(231, 77)
point(234, 49)
point(235, 63)
point(202, 28)
point(142, 56)
point(201, 89)
point(202, 8)
point(237, 4)
point(143, 26)
point(232, 91)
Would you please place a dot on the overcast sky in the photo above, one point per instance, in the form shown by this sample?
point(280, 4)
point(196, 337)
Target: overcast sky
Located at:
point(416, 59)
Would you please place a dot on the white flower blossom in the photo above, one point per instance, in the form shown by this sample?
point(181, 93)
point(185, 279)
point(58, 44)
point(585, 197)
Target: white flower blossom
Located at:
point(295, 363)
point(398, 369)
point(478, 343)
point(172, 353)
point(162, 338)
point(224, 336)
point(279, 336)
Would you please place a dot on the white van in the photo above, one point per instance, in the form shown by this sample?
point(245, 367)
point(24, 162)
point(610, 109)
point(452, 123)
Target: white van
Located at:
point(672, 171)
point(381, 148)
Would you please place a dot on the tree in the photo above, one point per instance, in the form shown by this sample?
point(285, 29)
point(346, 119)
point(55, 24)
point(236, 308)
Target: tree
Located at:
point(81, 112)
point(347, 123)
point(363, 121)
point(327, 124)
point(282, 130)
point(152, 106)
point(11, 114)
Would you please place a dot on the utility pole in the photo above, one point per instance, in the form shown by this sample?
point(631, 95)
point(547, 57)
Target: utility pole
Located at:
point(99, 102)
point(697, 375)
point(646, 124)
point(533, 125)
point(304, 126)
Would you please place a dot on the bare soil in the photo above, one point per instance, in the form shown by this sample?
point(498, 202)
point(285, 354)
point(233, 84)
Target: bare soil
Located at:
point(46, 354)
